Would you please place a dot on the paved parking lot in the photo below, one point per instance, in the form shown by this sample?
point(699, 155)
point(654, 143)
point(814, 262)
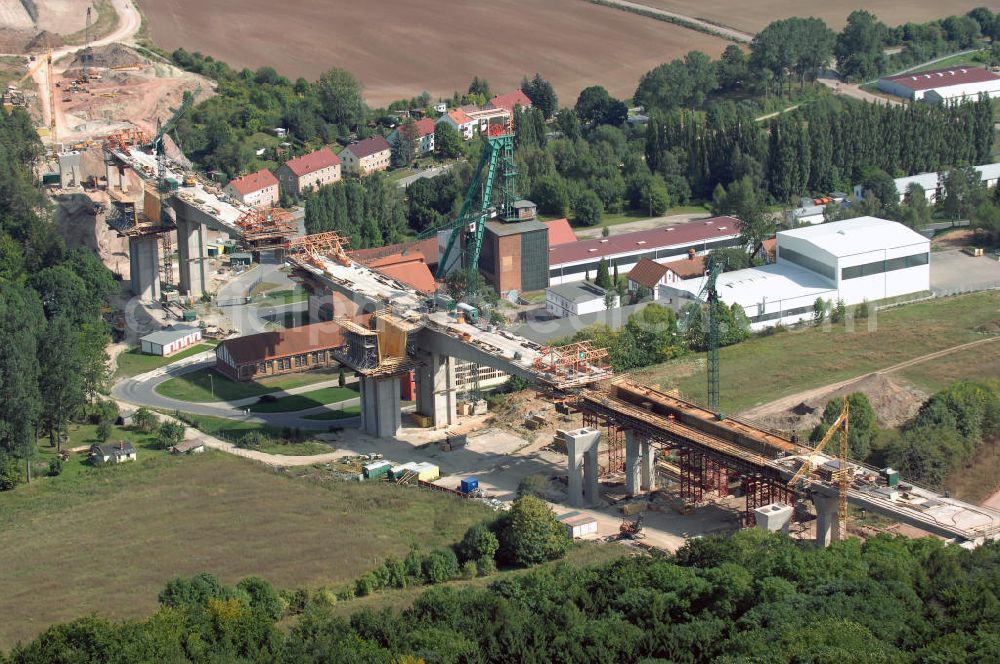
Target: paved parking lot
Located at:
point(955, 272)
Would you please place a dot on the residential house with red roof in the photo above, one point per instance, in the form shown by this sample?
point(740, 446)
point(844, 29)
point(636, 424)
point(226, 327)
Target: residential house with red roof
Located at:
point(460, 120)
point(258, 189)
point(309, 171)
point(653, 276)
point(366, 156)
point(510, 100)
point(420, 133)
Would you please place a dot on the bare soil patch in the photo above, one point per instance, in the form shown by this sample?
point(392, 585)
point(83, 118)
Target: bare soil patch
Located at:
point(754, 16)
point(398, 49)
point(954, 239)
point(893, 402)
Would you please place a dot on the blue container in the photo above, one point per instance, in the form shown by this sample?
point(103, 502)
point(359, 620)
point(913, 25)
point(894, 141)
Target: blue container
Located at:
point(469, 484)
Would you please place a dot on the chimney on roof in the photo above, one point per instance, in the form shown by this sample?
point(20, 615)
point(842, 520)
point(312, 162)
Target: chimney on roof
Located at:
point(691, 253)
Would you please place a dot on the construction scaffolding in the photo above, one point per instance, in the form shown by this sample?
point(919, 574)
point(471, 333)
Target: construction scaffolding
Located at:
point(573, 365)
point(384, 349)
point(265, 229)
point(611, 456)
point(121, 140)
point(313, 247)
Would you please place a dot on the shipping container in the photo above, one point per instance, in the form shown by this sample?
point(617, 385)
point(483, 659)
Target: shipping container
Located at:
point(469, 484)
point(376, 470)
point(427, 472)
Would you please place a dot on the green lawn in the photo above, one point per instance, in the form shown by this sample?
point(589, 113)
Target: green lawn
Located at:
point(230, 429)
point(306, 448)
point(164, 516)
point(954, 61)
point(766, 368)
point(284, 296)
point(349, 411)
point(320, 397)
point(133, 362)
point(198, 386)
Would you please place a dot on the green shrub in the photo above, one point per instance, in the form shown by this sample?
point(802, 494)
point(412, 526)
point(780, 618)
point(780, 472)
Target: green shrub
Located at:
point(530, 534)
point(170, 433)
point(469, 569)
point(55, 467)
point(253, 440)
point(145, 421)
point(440, 565)
point(10, 472)
point(478, 543)
point(103, 431)
point(486, 566)
point(366, 585)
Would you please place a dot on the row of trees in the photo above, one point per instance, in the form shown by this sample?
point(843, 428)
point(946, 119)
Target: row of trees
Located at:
point(754, 596)
point(53, 360)
point(826, 146)
point(369, 212)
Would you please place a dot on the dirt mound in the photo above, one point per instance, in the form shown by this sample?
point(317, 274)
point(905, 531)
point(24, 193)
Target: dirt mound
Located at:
point(893, 404)
point(990, 327)
point(111, 56)
point(44, 40)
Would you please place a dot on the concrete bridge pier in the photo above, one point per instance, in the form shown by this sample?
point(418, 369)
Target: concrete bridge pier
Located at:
point(581, 448)
point(144, 266)
point(437, 394)
point(191, 255)
point(381, 415)
point(827, 519)
point(640, 473)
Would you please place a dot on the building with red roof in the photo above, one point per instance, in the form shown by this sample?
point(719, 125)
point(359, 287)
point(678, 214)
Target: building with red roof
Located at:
point(560, 232)
point(421, 133)
point(942, 85)
point(280, 352)
point(509, 101)
point(574, 261)
point(461, 121)
point(308, 171)
point(652, 276)
point(258, 189)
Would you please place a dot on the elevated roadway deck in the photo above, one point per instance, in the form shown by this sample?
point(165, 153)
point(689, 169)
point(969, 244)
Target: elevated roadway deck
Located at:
point(750, 450)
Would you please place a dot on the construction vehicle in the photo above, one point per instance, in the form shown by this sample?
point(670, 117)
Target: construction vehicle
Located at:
point(189, 180)
point(631, 530)
point(710, 296)
point(840, 476)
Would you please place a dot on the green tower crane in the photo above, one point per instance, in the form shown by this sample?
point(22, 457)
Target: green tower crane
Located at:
point(710, 295)
point(466, 239)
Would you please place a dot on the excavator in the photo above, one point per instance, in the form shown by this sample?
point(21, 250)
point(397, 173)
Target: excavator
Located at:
point(631, 530)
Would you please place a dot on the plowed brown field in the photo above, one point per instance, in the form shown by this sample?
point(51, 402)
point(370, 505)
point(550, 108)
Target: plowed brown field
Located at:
point(754, 16)
point(400, 48)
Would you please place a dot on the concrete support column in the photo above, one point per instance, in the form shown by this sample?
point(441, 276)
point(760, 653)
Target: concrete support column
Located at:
point(380, 408)
point(581, 450)
point(144, 264)
point(647, 468)
point(633, 457)
point(827, 519)
point(437, 394)
point(191, 256)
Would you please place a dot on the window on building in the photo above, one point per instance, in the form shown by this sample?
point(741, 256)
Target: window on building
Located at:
point(809, 263)
point(879, 267)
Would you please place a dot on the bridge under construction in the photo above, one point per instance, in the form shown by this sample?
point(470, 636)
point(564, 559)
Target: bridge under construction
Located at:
point(712, 453)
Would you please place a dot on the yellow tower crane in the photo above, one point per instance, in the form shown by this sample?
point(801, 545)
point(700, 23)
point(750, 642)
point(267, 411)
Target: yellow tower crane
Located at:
point(841, 476)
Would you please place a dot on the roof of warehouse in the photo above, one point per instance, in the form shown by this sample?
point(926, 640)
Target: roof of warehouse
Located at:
point(312, 162)
point(164, 337)
point(858, 235)
point(777, 281)
point(560, 232)
point(577, 291)
point(940, 78)
point(930, 181)
point(292, 341)
point(690, 233)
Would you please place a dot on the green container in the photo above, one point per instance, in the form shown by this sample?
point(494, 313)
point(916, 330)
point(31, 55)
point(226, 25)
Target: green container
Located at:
point(50, 178)
point(190, 315)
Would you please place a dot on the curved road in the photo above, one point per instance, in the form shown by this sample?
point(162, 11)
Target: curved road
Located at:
point(141, 390)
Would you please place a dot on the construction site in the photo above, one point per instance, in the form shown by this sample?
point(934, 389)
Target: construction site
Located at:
point(108, 114)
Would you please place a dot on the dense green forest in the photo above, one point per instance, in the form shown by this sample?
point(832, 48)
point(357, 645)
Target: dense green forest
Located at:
point(751, 597)
point(53, 362)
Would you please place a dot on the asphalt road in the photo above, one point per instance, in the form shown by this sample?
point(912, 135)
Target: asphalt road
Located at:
point(141, 391)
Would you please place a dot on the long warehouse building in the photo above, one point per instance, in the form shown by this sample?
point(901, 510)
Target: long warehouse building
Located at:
point(574, 262)
point(854, 260)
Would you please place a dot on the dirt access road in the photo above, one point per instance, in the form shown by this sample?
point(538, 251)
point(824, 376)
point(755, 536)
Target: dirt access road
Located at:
point(129, 21)
point(786, 404)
